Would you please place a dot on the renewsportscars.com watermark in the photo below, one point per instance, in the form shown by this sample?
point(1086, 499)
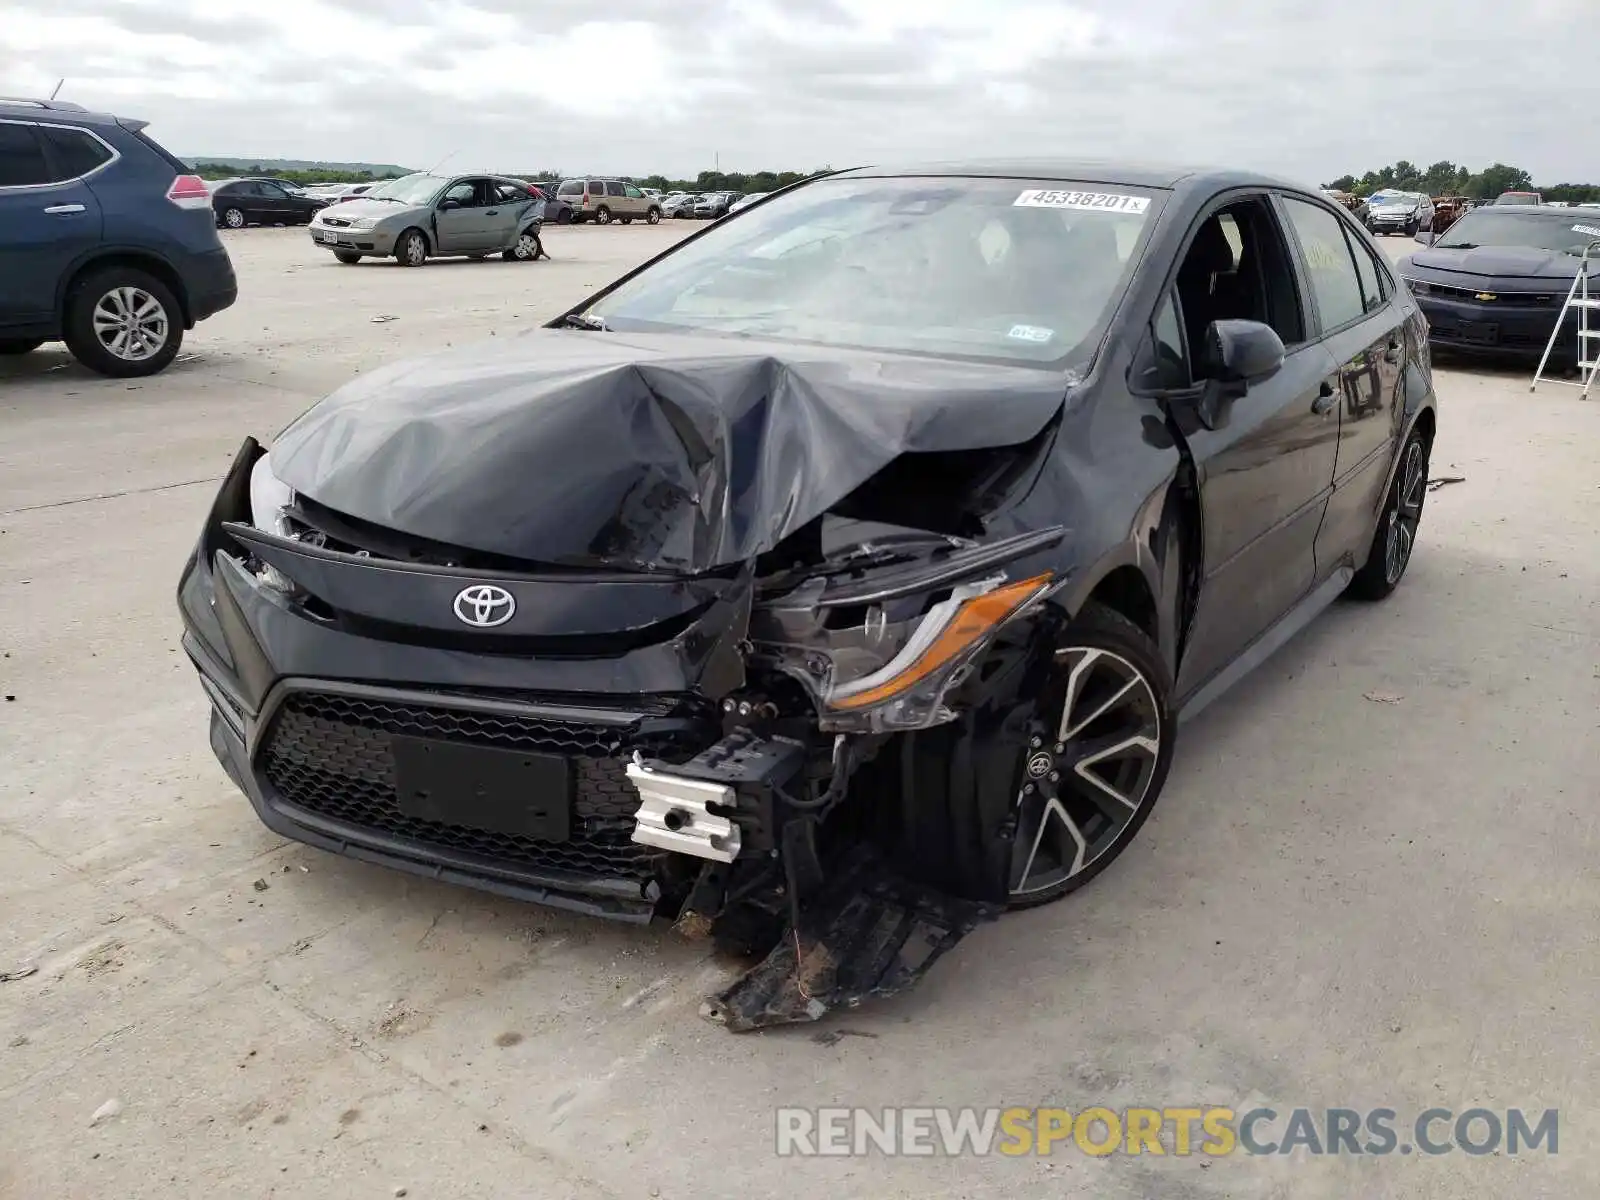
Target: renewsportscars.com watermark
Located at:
point(1211, 1131)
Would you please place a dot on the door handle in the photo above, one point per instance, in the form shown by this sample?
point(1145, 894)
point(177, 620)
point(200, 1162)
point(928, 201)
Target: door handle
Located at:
point(1324, 400)
point(493, 212)
point(63, 209)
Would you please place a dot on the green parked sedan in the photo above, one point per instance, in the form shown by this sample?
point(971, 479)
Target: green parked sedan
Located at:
point(422, 216)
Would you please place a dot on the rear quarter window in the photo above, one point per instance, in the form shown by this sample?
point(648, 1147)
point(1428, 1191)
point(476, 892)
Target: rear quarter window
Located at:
point(73, 152)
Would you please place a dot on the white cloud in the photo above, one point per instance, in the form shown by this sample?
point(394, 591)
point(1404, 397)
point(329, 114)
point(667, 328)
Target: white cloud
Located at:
point(1302, 87)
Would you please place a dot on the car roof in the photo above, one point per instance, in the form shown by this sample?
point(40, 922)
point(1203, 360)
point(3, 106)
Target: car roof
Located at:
point(55, 110)
point(1128, 172)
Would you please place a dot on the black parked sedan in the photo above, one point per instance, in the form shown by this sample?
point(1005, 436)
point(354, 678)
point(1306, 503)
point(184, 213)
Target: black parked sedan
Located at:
point(241, 202)
point(1495, 283)
point(828, 626)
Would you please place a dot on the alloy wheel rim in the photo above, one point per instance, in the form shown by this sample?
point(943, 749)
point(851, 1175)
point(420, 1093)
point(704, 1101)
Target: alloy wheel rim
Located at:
point(414, 250)
point(1405, 515)
point(234, 218)
point(1080, 792)
point(131, 324)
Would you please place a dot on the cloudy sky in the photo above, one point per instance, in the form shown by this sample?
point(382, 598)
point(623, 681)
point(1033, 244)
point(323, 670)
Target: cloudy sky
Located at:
point(1310, 88)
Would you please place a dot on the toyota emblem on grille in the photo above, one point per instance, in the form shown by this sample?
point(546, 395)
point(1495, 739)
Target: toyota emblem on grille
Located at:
point(483, 606)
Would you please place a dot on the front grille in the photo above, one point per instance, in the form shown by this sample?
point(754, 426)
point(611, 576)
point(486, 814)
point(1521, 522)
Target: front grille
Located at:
point(331, 754)
point(1527, 299)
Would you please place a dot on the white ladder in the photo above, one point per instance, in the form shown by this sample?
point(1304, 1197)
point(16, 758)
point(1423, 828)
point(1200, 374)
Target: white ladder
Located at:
point(1588, 358)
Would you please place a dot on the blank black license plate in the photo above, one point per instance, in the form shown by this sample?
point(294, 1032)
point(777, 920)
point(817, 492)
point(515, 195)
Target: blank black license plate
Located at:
point(502, 791)
point(1481, 332)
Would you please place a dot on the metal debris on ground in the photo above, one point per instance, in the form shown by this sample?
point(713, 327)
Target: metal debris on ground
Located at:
point(1444, 481)
point(382, 317)
point(1385, 697)
point(868, 934)
point(261, 885)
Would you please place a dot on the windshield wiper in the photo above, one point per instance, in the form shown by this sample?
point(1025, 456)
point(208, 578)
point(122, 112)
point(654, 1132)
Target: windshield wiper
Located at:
point(584, 321)
point(1457, 246)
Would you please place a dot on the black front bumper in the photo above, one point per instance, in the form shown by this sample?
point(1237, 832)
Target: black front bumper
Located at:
point(306, 709)
point(1502, 327)
point(317, 766)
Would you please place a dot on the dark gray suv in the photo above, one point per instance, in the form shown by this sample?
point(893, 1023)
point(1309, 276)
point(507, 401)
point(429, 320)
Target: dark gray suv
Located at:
point(106, 241)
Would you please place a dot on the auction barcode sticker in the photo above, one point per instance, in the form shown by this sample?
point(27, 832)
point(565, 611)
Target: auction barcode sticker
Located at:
point(1588, 229)
point(1085, 201)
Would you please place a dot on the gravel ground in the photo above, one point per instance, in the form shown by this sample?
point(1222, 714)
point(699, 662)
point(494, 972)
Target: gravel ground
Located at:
point(1371, 881)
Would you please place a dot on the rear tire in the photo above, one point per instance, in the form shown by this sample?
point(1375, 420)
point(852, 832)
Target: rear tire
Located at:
point(233, 218)
point(123, 323)
point(11, 346)
point(1395, 539)
point(411, 248)
point(527, 249)
point(602, 215)
point(346, 257)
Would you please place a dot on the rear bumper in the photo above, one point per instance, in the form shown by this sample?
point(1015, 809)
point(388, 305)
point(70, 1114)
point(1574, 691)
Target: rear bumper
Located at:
point(211, 284)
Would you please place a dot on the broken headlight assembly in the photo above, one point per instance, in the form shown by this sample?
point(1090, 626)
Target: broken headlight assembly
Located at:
point(885, 654)
point(270, 501)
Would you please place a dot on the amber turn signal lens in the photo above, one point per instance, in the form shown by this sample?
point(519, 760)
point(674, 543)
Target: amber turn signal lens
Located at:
point(974, 620)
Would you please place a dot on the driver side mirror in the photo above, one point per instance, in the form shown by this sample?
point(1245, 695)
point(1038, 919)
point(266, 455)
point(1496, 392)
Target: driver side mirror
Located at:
point(1237, 354)
point(1240, 352)
point(445, 205)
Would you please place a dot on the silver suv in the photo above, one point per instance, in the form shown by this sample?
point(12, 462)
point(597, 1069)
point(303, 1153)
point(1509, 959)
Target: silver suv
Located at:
point(607, 200)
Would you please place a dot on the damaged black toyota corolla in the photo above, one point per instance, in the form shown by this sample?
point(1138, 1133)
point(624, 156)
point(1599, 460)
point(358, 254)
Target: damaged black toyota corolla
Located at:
point(837, 579)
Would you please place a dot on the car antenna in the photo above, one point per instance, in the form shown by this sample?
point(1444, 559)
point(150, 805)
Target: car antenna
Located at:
point(441, 162)
point(59, 84)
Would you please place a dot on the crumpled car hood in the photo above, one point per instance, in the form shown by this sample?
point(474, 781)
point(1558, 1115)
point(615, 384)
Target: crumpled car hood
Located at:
point(683, 453)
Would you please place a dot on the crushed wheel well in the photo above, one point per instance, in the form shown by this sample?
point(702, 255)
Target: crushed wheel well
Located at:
point(1125, 591)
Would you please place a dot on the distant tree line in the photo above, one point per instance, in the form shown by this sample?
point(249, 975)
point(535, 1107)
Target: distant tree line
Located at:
point(1452, 179)
point(304, 176)
point(706, 181)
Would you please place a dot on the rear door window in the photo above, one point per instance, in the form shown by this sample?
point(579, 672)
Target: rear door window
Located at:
point(1373, 291)
point(73, 152)
point(613, 188)
point(1331, 268)
point(22, 161)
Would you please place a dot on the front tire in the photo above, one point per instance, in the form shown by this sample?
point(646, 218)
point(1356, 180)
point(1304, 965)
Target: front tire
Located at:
point(123, 323)
point(1026, 806)
point(411, 248)
point(1395, 538)
point(653, 217)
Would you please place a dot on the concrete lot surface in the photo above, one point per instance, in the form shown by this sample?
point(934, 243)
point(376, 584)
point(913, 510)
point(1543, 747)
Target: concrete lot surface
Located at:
point(1371, 882)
